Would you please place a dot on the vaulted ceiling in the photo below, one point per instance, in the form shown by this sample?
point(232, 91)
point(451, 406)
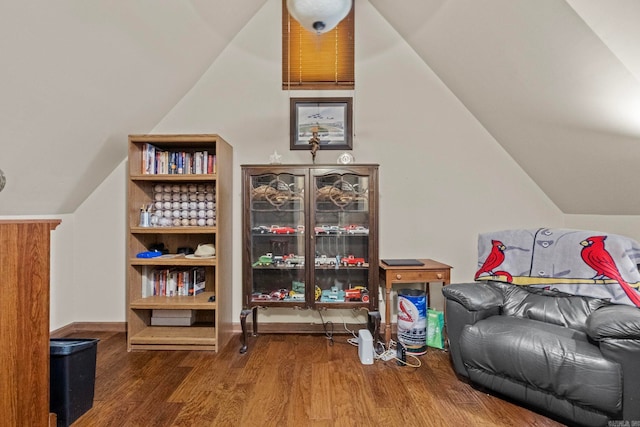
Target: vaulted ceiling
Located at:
point(555, 82)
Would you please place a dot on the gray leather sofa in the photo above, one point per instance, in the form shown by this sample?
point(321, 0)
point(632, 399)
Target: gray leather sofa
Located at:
point(573, 358)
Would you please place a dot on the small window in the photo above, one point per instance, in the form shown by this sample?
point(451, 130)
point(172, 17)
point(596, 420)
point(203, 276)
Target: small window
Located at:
point(317, 61)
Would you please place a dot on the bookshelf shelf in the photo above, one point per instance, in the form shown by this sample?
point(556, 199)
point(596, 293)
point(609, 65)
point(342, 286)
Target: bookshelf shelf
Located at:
point(184, 209)
point(173, 230)
point(175, 178)
point(198, 302)
point(173, 261)
point(169, 337)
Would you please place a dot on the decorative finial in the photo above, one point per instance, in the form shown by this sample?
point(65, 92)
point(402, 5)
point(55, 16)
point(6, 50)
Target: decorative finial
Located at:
point(315, 145)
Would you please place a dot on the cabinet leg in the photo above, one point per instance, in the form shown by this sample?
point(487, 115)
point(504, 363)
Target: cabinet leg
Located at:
point(243, 323)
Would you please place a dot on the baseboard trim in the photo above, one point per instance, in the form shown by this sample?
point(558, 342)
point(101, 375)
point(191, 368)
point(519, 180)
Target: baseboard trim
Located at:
point(75, 327)
point(263, 328)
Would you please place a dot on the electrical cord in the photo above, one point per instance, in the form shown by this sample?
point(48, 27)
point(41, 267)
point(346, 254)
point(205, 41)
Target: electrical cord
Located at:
point(354, 339)
point(385, 355)
point(328, 334)
point(391, 354)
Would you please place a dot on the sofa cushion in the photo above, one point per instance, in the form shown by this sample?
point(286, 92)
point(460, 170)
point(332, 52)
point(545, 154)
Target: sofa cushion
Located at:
point(550, 306)
point(542, 356)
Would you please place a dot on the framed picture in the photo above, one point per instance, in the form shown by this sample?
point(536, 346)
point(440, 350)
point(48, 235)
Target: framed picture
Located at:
point(326, 119)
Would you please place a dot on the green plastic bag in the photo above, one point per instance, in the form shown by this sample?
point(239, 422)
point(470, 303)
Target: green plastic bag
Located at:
point(435, 326)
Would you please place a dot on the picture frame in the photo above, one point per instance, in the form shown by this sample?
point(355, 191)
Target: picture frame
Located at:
point(331, 118)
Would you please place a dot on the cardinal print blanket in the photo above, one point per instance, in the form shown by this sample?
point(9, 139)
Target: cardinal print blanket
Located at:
point(579, 262)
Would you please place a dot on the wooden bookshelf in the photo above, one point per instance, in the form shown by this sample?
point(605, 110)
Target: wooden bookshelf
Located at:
point(180, 217)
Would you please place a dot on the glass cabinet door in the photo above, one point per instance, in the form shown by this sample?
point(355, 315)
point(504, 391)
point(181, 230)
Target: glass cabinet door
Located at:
point(341, 221)
point(277, 239)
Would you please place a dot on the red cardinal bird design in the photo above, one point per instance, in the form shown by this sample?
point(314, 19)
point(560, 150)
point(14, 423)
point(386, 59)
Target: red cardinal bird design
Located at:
point(494, 259)
point(597, 257)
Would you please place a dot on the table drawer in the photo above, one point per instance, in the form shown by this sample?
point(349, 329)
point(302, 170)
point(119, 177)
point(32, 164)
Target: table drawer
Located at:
point(408, 276)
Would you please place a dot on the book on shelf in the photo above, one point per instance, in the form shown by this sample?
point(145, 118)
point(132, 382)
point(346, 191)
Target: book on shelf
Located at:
point(170, 282)
point(156, 161)
point(147, 282)
point(198, 281)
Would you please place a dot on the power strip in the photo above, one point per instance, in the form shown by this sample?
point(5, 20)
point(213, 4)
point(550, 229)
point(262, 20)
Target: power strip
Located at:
point(401, 354)
point(388, 355)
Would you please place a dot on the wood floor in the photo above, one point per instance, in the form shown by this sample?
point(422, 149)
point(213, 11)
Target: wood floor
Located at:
point(285, 380)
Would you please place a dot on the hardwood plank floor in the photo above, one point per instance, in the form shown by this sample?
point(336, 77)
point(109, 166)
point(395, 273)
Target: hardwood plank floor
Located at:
point(285, 380)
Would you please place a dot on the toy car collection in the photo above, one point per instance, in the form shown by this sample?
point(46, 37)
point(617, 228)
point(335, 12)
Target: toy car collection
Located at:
point(319, 229)
point(332, 295)
point(322, 260)
point(356, 294)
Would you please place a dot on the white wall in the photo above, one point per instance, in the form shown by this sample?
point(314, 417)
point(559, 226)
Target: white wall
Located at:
point(88, 257)
point(100, 252)
point(443, 178)
point(625, 225)
point(63, 261)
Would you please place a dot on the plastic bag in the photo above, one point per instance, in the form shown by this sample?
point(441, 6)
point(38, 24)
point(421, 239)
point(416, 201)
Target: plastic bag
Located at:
point(435, 326)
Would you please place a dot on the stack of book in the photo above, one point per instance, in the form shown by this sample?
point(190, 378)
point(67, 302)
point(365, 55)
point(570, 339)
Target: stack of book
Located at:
point(172, 317)
point(156, 161)
point(172, 282)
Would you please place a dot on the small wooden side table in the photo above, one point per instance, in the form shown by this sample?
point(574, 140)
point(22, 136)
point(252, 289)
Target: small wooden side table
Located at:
point(431, 271)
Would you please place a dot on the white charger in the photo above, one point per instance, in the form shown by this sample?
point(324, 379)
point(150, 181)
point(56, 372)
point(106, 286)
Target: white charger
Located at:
point(365, 347)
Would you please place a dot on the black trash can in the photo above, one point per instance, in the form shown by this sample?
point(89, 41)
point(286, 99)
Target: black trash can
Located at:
point(72, 377)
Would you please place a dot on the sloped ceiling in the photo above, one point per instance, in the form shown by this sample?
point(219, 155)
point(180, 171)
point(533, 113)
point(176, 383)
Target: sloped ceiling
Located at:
point(78, 76)
point(555, 82)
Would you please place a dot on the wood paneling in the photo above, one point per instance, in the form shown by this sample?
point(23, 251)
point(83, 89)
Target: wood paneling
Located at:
point(24, 322)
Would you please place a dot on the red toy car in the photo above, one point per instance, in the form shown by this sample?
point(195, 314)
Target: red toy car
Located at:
point(278, 229)
point(357, 294)
point(352, 260)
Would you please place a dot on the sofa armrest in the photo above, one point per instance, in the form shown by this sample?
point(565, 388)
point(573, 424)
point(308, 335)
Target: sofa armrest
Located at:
point(616, 329)
point(474, 296)
point(614, 321)
point(465, 304)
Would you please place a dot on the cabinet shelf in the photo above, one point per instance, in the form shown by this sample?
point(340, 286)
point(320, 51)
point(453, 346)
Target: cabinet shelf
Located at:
point(347, 305)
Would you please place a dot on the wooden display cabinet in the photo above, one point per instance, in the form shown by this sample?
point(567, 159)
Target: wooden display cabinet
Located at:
point(310, 238)
point(182, 185)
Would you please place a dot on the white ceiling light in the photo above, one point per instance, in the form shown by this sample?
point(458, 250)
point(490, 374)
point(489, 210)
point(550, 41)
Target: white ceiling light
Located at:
point(319, 16)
